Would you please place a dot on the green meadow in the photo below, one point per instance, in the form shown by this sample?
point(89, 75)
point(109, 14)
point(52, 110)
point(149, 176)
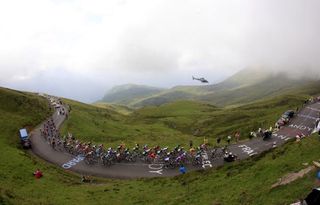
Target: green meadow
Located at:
point(174, 123)
point(246, 182)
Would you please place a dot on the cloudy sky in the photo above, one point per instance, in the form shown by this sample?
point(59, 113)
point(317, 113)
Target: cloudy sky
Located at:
point(81, 48)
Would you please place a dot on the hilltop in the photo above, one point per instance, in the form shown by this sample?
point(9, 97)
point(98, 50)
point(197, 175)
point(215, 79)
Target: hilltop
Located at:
point(246, 86)
point(126, 94)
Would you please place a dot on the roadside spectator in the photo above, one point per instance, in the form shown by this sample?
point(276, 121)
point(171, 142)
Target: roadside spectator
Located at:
point(229, 139)
point(182, 169)
point(317, 124)
point(85, 179)
point(38, 174)
point(299, 136)
point(318, 178)
point(205, 141)
point(191, 144)
point(218, 140)
point(252, 135)
point(237, 136)
point(260, 131)
point(270, 129)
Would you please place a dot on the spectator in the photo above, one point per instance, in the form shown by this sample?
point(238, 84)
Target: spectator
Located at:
point(218, 140)
point(85, 179)
point(191, 144)
point(270, 129)
point(182, 169)
point(229, 139)
point(205, 141)
point(252, 135)
point(237, 136)
point(299, 136)
point(38, 174)
point(261, 132)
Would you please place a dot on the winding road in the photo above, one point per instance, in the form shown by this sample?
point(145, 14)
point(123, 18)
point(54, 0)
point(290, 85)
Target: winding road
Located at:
point(303, 122)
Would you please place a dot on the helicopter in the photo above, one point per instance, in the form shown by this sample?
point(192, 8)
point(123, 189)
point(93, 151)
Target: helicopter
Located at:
point(202, 80)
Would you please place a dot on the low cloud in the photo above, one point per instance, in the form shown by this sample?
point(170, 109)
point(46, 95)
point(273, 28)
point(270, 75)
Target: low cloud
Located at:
point(79, 49)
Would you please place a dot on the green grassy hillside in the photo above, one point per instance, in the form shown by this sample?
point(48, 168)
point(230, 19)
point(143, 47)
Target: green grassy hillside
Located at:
point(174, 123)
point(246, 86)
point(126, 94)
point(163, 97)
point(230, 93)
point(122, 109)
point(276, 86)
point(106, 126)
point(246, 182)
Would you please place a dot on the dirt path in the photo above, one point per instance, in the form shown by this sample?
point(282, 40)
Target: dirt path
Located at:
point(293, 176)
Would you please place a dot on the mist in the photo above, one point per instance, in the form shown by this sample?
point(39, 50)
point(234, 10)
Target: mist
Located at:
point(80, 49)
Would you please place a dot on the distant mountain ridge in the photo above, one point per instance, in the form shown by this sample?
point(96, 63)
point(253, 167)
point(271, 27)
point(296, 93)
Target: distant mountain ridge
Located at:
point(125, 94)
point(245, 86)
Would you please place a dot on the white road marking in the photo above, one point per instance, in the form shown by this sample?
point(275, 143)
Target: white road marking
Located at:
point(206, 164)
point(314, 109)
point(73, 162)
point(282, 137)
point(205, 160)
point(301, 127)
point(246, 149)
point(157, 172)
point(156, 168)
point(253, 154)
point(307, 116)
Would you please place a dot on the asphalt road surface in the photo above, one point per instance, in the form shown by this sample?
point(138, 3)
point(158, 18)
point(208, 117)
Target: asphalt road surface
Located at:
point(303, 122)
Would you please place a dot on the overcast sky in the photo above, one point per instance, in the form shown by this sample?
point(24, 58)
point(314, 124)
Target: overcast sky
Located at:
point(81, 48)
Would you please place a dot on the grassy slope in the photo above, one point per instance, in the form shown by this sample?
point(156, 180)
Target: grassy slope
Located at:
point(265, 89)
point(244, 183)
point(244, 87)
point(106, 126)
point(122, 109)
point(174, 123)
point(125, 94)
point(140, 96)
